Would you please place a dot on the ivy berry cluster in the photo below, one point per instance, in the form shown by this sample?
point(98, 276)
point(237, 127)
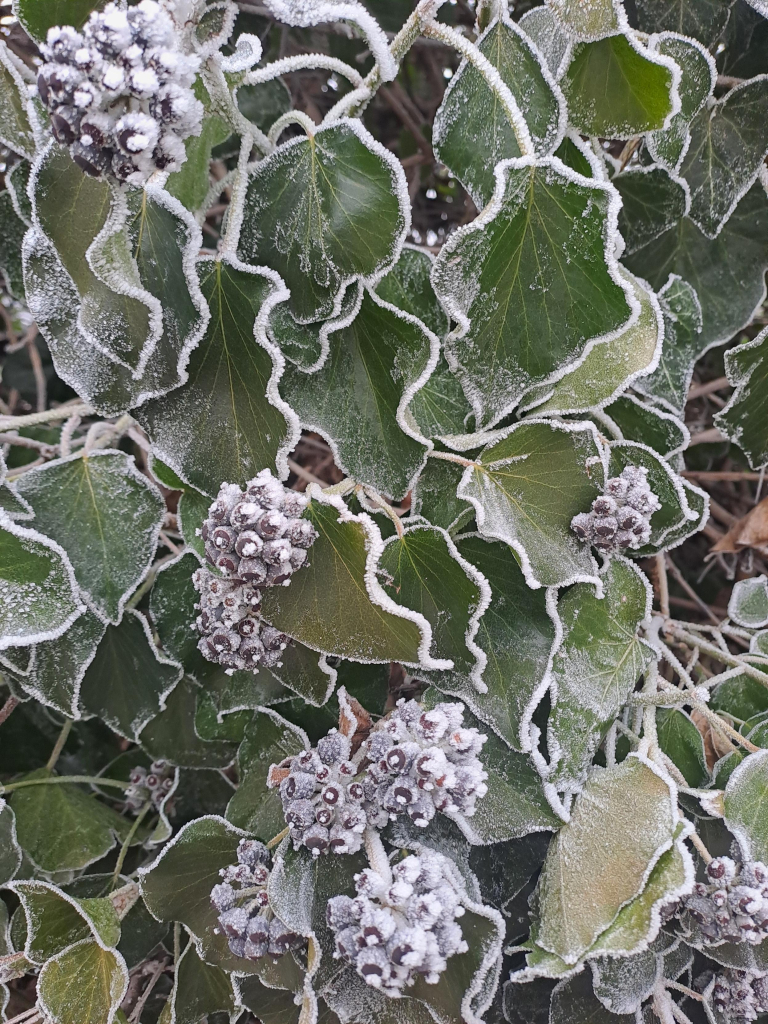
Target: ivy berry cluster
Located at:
point(153, 785)
point(255, 538)
point(400, 928)
point(740, 995)
point(245, 917)
point(119, 93)
point(620, 518)
point(732, 905)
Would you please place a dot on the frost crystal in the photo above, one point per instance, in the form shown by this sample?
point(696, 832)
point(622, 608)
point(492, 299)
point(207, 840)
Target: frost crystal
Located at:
point(398, 930)
point(740, 995)
point(621, 517)
point(732, 905)
point(119, 93)
point(256, 539)
point(245, 917)
point(153, 785)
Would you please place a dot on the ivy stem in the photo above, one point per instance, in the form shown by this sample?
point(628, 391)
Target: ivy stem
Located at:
point(718, 653)
point(61, 780)
point(450, 457)
point(673, 696)
point(449, 36)
point(59, 745)
point(377, 855)
point(341, 488)
point(176, 944)
point(222, 99)
point(292, 117)
point(701, 849)
point(236, 211)
point(126, 844)
point(149, 580)
point(661, 577)
point(8, 708)
point(278, 838)
point(61, 412)
point(303, 60)
point(377, 499)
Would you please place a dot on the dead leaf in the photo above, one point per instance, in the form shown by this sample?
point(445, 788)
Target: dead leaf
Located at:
point(751, 531)
point(354, 721)
point(716, 744)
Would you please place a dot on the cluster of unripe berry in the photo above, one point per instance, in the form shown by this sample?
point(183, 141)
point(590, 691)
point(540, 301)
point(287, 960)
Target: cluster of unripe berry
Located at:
point(400, 928)
point(119, 92)
point(415, 762)
point(245, 917)
point(740, 995)
point(621, 516)
point(256, 538)
point(732, 905)
point(153, 785)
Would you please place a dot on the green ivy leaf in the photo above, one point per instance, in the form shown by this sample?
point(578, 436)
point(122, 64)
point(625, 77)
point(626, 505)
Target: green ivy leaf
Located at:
point(84, 984)
point(322, 211)
point(546, 31)
point(746, 805)
point(172, 610)
point(190, 184)
point(669, 382)
point(741, 697)
point(59, 665)
point(171, 735)
point(516, 633)
point(273, 1005)
point(588, 22)
point(15, 129)
point(199, 989)
point(698, 75)
point(596, 667)
point(727, 272)
point(303, 672)
point(574, 1002)
point(38, 595)
point(623, 984)
point(652, 202)
point(358, 399)
point(702, 19)
point(227, 422)
point(620, 826)
point(62, 828)
point(336, 605)
point(683, 743)
point(12, 231)
point(10, 851)
point(616, 88)
point(434, 495)
point(748, 603)
point(727, 148)
point(56, 920)
point(37, 18)
point(490, 278)
point(744, 418)
point(638, 421)
point(527, 487)
point(140, 677)
point(106, 515)
point(268, 739)
point(472, 131)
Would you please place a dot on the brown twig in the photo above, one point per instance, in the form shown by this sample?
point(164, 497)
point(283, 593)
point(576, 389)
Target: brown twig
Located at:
point(707, 476)
point(698, 390)
point(8, 708)
point(683, 582)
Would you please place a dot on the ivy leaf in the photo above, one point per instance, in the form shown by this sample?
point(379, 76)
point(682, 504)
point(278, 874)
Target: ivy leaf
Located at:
point(617, 88)
point(748, 604)
point(171, 735)
point(596, 667)
point(589, 22)
point(84, 984)
point(172, 610)
point(199, 989)
point(528, 486)
point(61, 828)
point(424, 570)
point(544, 29)
point(490, 278)
point(472, 131)
point(670, 381)
point(13, 231)
point(358, 399)
point(191, 182)
point(621, 824)
point(15, 129)
point(38, 594)
point(683, 743)
point(337, 605)
point(55, 920)
point(37, 18)
point(746, 806)
point(727, 272)
point(10, 851)
point(106, 515)
point(307, 345)
point(303, 672)
point(325, 210)
point(652, 202)
point(574, 1002)
point(227, 422)
point(638, 421)
point(702, 19)
point(744, 418)
point(698, 75)
point(59, 665)
point(268, 739)
point(610, 366)
point(434, 495)
point(273, 1005)
point(727, 149)
point(140, 678)
point(623, 984)
point(516, 634)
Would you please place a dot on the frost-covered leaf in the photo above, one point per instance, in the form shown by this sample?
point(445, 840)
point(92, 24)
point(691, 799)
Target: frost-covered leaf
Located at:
point(191, 182)
point(106, 515)
point(596, 667)
point(728, 144)
point(575, 1002)
point(528, 486)
point(741, 697)
point(199, 989)
point(84, 984)
point(682, 742)
point(268, 739)
point(55, 920)
point(617, 88)
point(589, 22)
point(620, 825)
point(610, 366)
point(325, 210)
point(227, 422)
point(139, 677)
point(652, 202)
point(516, 634)
point(472, 131)
point(702, 19)
point(10, 851)
point(727, 272)
point(60, 664)
point(60, 827)
point(15, 129)
point(274, 1005)
point(746, 805)
point(312, 678)
point(337, 605)
point(171, 735)
point(424, 570)
point(358, 399)
point(38, 594)
point(306, 345)
point(669, 382)
point(623, 983)
point(530, 281)
point(698, 73)
point(37, 18)
point(434, 495)
point(648, 425)
point(748, 604)
point(12, 230)
point(554, 43)
point(172, 610)
point(745, 419)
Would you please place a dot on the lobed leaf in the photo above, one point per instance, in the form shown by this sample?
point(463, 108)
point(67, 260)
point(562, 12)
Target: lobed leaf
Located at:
point(743, 420)
point(84, 984)
point(698, 75)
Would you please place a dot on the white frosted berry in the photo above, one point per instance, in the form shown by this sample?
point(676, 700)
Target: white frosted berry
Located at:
point(620, 518)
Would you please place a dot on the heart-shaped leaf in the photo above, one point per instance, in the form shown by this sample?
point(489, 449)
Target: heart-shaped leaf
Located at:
point(55, 920)
point(199, 989)
point(15, 129)
point(84, 984)
point(702, 19)
point(698, 74)
point(669, 382)
point(748, 604)
point(171, 734)
point(744, 418)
